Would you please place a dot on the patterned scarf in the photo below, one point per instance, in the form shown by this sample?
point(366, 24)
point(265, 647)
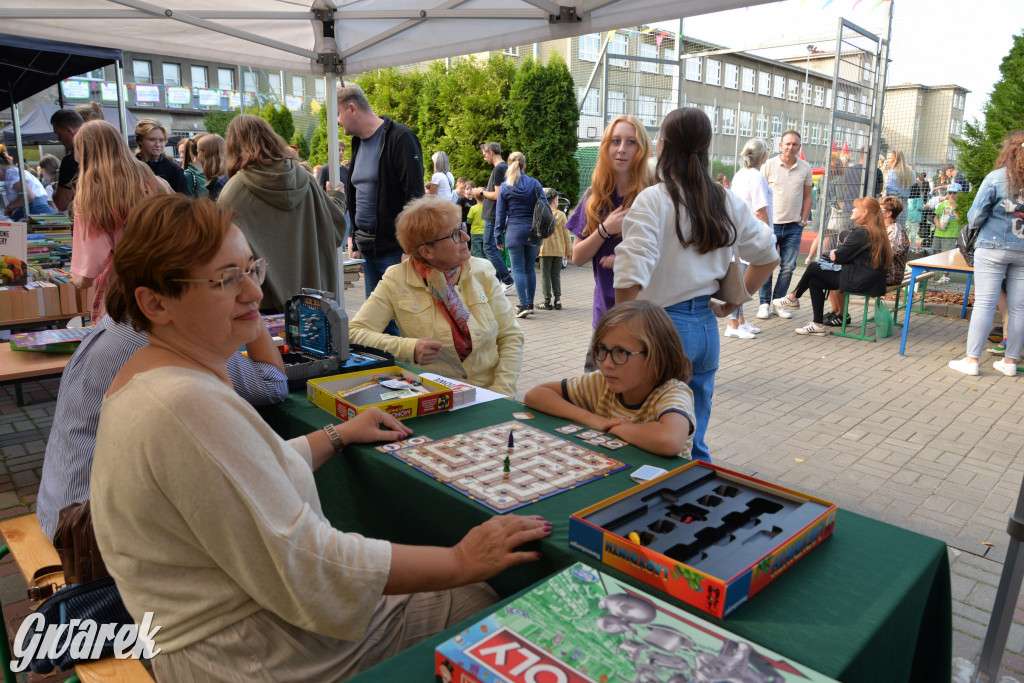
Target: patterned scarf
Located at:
point(442, 287)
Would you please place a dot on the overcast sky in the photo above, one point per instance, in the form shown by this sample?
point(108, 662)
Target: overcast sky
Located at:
point(933, 43)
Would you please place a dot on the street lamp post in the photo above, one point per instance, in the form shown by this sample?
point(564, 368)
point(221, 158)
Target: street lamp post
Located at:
point(805, 95)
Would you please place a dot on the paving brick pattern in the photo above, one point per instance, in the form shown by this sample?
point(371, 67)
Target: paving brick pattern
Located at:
point(902, 439)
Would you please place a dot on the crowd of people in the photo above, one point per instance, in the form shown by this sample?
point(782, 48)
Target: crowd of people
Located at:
point(155, 414)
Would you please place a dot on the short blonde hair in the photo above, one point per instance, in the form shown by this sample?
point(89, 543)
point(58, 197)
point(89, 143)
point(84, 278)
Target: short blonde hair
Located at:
point(422, 219)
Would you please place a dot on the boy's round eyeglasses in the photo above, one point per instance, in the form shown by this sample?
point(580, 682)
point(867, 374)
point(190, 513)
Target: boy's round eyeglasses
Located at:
point(456, 236)
point(620, 356)
point(231, 278)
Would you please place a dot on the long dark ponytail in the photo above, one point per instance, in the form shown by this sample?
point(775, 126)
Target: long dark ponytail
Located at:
point(683, 161)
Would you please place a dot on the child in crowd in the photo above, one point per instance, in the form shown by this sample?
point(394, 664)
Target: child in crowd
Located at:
point(552, 251)
point(947, 224)
point(475, 220)
point(639, 392)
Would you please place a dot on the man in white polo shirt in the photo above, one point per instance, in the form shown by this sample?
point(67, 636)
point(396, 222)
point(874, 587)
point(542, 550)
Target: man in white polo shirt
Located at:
point(790, 179)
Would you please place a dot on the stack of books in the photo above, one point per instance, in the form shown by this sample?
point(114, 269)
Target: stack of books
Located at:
point(51, 248)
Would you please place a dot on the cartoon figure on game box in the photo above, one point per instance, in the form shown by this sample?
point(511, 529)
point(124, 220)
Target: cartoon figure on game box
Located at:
point(639, 392)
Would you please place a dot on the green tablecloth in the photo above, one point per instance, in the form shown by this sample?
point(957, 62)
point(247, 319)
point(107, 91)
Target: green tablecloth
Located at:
point(872, 603)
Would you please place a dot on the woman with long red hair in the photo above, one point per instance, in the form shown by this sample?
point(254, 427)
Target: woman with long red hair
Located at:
point(621, 174)
point(865, 256)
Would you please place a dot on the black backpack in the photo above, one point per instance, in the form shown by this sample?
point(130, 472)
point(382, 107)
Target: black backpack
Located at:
point(543, 220)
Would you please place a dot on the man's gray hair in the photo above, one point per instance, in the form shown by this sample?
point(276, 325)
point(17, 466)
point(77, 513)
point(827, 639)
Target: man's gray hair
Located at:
point(350, 92)
point(492, 147)
point(755, 149)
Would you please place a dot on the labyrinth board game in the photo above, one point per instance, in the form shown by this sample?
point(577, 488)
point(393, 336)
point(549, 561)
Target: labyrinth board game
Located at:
point(708, 536)
point(582, 626)
point(541, 464)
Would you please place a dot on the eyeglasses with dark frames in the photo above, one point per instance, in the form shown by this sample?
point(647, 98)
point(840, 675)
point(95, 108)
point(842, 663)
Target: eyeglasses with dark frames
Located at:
point(620, 356)
point(456, 236)
point(231, 278)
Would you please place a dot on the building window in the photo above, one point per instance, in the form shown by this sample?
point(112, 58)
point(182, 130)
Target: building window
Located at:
point(762, 125)
point(793, 94)
point(616, 104)
point(764, 84)
point(298, 87)
point(729, 121)
point(199, 77)
point(748, 79)
point(511, 51)
point(819, 96)
point(714, 72)
point(590, 47)
point(225, 79)
point(275, 84)
point(865, 110)
point(828, 98)
point(143, 71)
point(952, 127)
point(732, 76)
point(172, 73)
point(249, 79)
point(618, 45)
point(590, 104)
point(841, 101)
point(94, 75)
point(792, 124)
point(805, 130)
point(920, 99)
point(648, 51)
point(672, 70)
point(815, 133)
point(746, 123)
point(647, 110)
point(824, 133)
point(320, 88)
point(712, 112)
point(806, 92)
point(667, 107)
point(693, 69)
point(780, 87)
point(776, 126)
point(866, 73)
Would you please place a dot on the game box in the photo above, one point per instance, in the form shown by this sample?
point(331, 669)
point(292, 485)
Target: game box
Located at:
point(394, 390)
point(701, 533)
point(581, 625)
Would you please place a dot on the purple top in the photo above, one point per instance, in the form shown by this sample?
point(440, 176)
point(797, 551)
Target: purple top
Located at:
point(604, 291)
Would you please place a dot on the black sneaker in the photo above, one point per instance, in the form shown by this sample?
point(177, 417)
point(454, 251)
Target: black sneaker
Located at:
point(831, 319)
point(546, 305)
point(558, 305)
point(523, 310)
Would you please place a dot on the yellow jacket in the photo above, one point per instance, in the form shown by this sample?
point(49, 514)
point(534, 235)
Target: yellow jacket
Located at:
point(402, 295)
point(559, 243)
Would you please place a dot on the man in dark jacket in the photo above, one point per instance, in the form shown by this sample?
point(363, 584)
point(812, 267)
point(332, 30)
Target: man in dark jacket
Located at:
point(385, 173)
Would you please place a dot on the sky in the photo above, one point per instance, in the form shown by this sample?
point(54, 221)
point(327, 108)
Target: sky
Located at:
point(926, 36)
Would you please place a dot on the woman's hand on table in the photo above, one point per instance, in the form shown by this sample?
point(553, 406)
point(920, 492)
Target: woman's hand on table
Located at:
point(427, 351)
point(490, 548)
point(372, 425)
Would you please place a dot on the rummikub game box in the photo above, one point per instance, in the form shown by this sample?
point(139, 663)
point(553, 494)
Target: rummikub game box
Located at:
point(711, 537)
point(582, 626)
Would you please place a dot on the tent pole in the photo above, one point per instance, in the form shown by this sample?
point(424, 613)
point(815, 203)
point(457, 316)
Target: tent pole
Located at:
point(16, 120)
point(333, 162)
point(122, 116)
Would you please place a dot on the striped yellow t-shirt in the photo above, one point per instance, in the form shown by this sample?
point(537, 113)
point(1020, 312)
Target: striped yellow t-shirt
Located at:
point(590, 392)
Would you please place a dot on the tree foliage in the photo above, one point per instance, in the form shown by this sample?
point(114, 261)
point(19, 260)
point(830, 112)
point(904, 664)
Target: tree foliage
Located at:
point(299, 140)
point(1003, 114)
point(318, 150)
point(217, 121)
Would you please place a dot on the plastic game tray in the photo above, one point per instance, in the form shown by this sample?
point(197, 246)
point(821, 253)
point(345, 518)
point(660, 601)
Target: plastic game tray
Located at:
point(708, 536)
point(542, 465)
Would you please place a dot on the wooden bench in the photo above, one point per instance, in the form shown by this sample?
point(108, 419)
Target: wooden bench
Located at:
point(911, 299)
point(32, 550)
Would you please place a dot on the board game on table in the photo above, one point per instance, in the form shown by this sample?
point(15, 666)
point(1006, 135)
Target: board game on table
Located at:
point(542, 464)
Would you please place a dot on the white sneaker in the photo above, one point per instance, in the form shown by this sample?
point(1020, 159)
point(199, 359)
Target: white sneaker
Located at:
point(968, 368)
point(943, 280)
point(813, 328)
point(739, 332)
point(510, 289)
point(782, 312)
point(764, 311)
point(1008, 369)
point(785, 302)
point(750, 328)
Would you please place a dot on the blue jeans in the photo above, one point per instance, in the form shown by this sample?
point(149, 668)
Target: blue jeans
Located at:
point(698, 331)
point(373, 271)
point(524, 271)
point(491, 252)
point(787, 237)
point(990, 267)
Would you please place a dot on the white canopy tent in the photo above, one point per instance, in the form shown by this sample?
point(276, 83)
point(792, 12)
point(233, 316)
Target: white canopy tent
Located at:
point(329, 37)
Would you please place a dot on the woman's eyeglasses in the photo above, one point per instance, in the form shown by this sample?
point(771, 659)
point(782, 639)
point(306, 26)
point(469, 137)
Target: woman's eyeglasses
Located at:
point(231, 278)
point(456, 236)
point(620, 356)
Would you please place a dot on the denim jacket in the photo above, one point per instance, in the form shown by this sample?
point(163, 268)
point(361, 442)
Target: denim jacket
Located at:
point(497, 355)
point(1000, 218)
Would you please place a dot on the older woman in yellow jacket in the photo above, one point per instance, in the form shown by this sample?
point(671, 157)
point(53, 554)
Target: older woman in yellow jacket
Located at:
point(450, 308)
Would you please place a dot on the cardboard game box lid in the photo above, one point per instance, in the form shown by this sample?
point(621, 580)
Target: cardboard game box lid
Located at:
point(584, 626)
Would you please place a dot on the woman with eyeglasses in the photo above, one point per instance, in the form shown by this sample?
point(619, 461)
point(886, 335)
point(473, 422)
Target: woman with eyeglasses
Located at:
point(212, 522)
point(282, 211)
point(451, 311)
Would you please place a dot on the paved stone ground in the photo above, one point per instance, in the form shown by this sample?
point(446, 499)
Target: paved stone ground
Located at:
point(902, 439)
